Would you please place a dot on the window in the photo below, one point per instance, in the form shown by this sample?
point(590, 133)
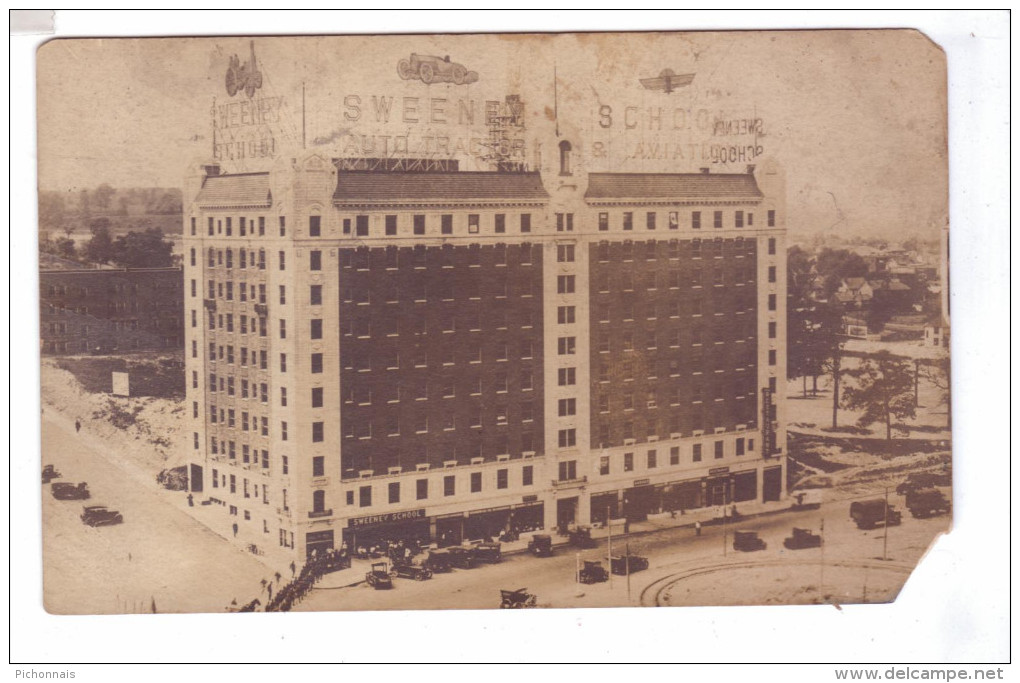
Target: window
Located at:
point(567, 407)
point(316, 363)
point(283, 328)
point(718, 449)
point(419, 224)
point(696, 220)
point(283, 294)
point(500, 223)
point(317, 397)
point(650, 220)
point(740, 446)
point(565, 284)
point(674, 455)
point(628, 220)
point(315, 260)
point(772, 246)
point(567, 346)
point(283, 362)
point(567, 376)
point(772, 330)
point(772, 302)
point(318, 466)
point(565, 315)
point(772, 273)
point(772, 356)
point(361, 226)
point(717, 219)
point(564, 253)
point(772, 384)
point(652, 460)
point(525, 222)
point(565, 149)
point(628, 462)
point(391, 225)
point(318, 432)
point(772, 218)
point(502, 479)
point(315, 295)
point(394, 492)
point(697, 452)
point(316, 331)
point(365, 496)
point(314, 226)
point(473, 219)
point(674, 220)
point(283, 225)
point(476, 482)
point(283, 260)
point(528, 475)
point(604, 221)
point(449, 485)
point(739, 219)
point(567, 438)
point(446, 224)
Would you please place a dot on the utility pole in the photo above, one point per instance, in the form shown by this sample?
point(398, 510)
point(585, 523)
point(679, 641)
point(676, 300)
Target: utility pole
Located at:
point(609, 525)
point(724, 530)
point(885, 525)
point(628, 570)
point(821, 562)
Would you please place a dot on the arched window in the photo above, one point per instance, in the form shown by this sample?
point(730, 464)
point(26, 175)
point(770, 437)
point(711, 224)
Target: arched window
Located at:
point(565, 148)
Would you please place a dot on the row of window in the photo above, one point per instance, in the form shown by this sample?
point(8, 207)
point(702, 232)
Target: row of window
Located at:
point(364, 259)
point(421, 486)
point(420, 224)
point(740, 218)
point(625, 251)
point(246, 226)
point(742, 445)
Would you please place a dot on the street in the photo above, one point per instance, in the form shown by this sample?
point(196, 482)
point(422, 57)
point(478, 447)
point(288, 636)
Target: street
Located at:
point(853, 558)
point(159, 555)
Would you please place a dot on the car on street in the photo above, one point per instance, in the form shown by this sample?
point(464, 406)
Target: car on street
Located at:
point(69, 491)
point(378, 577)
point(747, 541)
point(802, 538)
point(868, 514)
point(924, 503)
point(100, 515)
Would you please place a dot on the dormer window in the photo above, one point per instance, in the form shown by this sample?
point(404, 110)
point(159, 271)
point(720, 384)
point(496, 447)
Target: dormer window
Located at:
point(565, 149)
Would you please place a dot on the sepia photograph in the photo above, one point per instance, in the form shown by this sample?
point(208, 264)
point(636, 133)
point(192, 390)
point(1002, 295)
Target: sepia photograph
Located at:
point(422, 324)
point(555, 322)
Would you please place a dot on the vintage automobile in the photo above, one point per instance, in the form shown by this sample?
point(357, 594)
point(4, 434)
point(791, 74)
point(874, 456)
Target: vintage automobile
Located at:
point(747, 541)
point(593, 572)
point(540, 545)
point(409, 570)
point(924, 503)
point(68, 491)
point(580, 537)
point(488, 551)
point(49, 472)
point(868, 514)
point(431, 69)
point(627, 564)
point(516, 599)
point(924, 480)
point(802, 538)
point(439, 560)
point(100, 515)
point(461, 557)
point(379, 576)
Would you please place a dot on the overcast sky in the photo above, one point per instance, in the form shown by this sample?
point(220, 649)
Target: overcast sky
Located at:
point(856, 119)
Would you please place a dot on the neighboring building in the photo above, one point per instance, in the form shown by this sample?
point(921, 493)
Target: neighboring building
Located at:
point(110, 310)
point(442, 354)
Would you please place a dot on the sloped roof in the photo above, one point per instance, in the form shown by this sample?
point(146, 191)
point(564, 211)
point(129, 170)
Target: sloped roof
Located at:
point(671, 185)
point(369, 186)
point(855, 282)
point(239, 189)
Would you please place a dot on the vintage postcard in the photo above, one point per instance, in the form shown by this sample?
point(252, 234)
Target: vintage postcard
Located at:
point(492, 321)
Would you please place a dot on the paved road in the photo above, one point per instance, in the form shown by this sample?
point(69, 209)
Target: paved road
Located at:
point(160, 554)
point(670, 552)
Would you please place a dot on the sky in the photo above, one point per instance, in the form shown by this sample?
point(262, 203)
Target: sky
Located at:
point(857, 119)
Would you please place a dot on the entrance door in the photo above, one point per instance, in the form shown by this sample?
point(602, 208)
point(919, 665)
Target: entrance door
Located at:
point(566, 512)
point(195, 478)
point(637, 502)
point(717, 491)
point(772, 483)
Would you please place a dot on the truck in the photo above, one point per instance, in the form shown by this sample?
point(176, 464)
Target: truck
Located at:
point(923, 503)
point(868, 514)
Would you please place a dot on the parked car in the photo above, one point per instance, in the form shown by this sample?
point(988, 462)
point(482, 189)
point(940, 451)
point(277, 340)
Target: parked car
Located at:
point(431, 69)
point(540, 545)
point(924, 503)
point(68, 491)
point(439, 560)
point(802, 538)
point(408, 570)
point(916, 481)
point(868, 514)
point(593, 572)
point(516, 599)
point(461, 557)
point(747, 541)
point(580, 537)
point(49, 473)
point(488, 551)
point(100, 515)
point(627, 564)
point(379, 576)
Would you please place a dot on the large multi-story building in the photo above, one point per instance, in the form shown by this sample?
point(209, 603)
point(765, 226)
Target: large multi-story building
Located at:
point(380, 352)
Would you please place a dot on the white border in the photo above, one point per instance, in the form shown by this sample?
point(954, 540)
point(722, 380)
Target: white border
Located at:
point(955, 607)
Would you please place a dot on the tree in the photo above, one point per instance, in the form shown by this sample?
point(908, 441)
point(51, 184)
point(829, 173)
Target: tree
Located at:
point(939, 373)
point(99, 249)
point(103, 194)
point(51, 209)
point(884, 390)
point(65, 248)
point(146, 249)
point(84, 203)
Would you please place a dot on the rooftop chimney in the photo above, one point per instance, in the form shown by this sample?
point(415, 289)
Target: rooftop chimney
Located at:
point(212, 169)
point(750, 169)
point(704, 169)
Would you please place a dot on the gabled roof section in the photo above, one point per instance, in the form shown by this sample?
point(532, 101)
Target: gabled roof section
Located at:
point(607, 186)
point(376, 187)
point(235, 190)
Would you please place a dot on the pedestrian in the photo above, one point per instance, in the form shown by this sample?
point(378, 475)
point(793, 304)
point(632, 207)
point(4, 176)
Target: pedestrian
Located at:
point(697, 528)
point(293, 569)
point(77, 426)
point(235, 529)
point(191, 501)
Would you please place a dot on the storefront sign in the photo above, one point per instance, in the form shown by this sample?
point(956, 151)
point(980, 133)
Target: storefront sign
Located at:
point(503, 508)
point(530, 499)
point(718, 470)
point(642, 482)
point(388, 518)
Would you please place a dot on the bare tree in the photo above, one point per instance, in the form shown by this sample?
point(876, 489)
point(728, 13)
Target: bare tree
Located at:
point(884, 390)
point(938, 373)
